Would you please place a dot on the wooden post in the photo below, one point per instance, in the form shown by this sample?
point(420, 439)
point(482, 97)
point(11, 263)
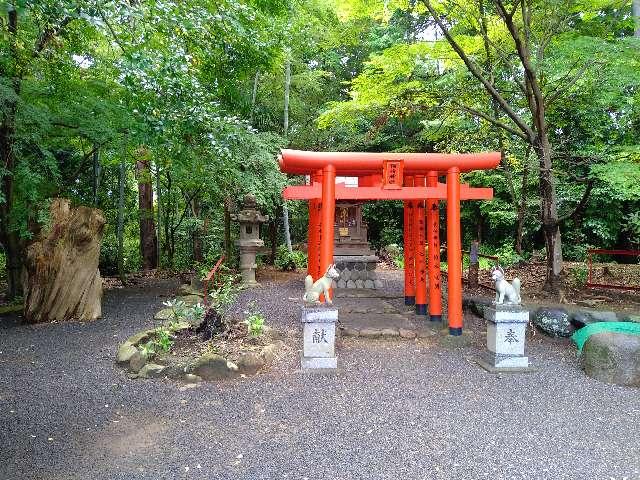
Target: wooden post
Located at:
point(473, 264)
point(433, 240)
point(454, 252)
point(409, 268)
point(420, 254)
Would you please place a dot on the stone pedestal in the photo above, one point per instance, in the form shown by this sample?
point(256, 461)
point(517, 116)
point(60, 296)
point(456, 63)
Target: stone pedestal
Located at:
point(506, 329)
point(248, 265)
point(319, 332)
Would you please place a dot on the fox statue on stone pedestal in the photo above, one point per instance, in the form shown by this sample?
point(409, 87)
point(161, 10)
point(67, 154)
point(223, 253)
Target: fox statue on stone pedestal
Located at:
point(504, 289)
point(312, 291)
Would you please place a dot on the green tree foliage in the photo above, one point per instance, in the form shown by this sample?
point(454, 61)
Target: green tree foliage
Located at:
point(200, 86)
point(418, 95)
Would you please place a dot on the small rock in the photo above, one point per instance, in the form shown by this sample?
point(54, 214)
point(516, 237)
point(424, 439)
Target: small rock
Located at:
point(553, 321)
point(359, 283)
point(629, 317)
point(355, 275)
point(580, 319)
point(139, 337)
point(370, 332)
point(151, 370)
point(600, 316)
point(137, 361)
point(478, 305)
point(191, 378)
point(186, 289)
point(389, 332)
point(213, 367)
point(250, 363)
point(351, 284)
point(426, 333)
point(345, 275)
point(406, 333)
point(125, 352)
point(371, 275)
point(342, 283)
point(350, 332)
point(269, 352)
point(377, 283)
point(369, 284)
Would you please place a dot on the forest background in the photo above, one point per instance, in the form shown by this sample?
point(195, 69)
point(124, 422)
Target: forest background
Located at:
point(165, 113)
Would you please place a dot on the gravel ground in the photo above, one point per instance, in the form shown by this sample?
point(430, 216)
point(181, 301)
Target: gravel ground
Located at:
point(395, 409)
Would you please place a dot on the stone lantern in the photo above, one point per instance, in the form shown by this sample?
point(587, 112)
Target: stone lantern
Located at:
point(250, 219)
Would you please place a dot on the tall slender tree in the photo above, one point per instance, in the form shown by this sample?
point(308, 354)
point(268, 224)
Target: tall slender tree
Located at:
point(148, 238)
point(516, 18)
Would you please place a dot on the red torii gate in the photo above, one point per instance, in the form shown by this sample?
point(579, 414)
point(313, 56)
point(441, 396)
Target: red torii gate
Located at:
point(411, 177)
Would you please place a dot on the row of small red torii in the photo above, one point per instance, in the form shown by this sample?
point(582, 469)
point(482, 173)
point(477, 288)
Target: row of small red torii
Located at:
point(411, 177)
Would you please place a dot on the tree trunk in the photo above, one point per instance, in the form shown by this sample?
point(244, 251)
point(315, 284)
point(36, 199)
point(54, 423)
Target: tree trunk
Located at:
point(273, 234)
point(287, 232)
point(62, 277)
point(227, 227)
point(148, 238)
point(10, 239)
point(120, 232)
point(636, 17)
point(159, 216)
point(197, 231)
point(254, 95)
point(287, 88)
point(523, 203)
point(549, 215)
point(167, 220)
point(11, 243)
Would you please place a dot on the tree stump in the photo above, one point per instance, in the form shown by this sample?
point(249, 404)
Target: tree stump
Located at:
point(62, 279)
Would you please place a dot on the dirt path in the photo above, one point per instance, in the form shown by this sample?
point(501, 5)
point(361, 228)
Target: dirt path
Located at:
point(395, 409)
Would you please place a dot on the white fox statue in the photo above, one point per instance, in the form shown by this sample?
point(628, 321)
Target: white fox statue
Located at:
point(312, 291)
point(504, 289)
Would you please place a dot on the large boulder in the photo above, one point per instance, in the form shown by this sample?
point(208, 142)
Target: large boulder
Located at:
point(553, 321)
point(612, 358)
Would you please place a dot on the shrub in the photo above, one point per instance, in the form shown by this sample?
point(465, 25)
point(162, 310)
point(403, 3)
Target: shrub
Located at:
point(286, 260)
point(255, 321)
point(579, 275)
point(507, 255)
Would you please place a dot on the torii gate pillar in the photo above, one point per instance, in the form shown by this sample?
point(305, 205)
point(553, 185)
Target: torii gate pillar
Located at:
point(327, 212)
point(454, 252)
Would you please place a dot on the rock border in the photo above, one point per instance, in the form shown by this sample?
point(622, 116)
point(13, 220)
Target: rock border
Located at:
point(390, 332)
point(209, 366)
